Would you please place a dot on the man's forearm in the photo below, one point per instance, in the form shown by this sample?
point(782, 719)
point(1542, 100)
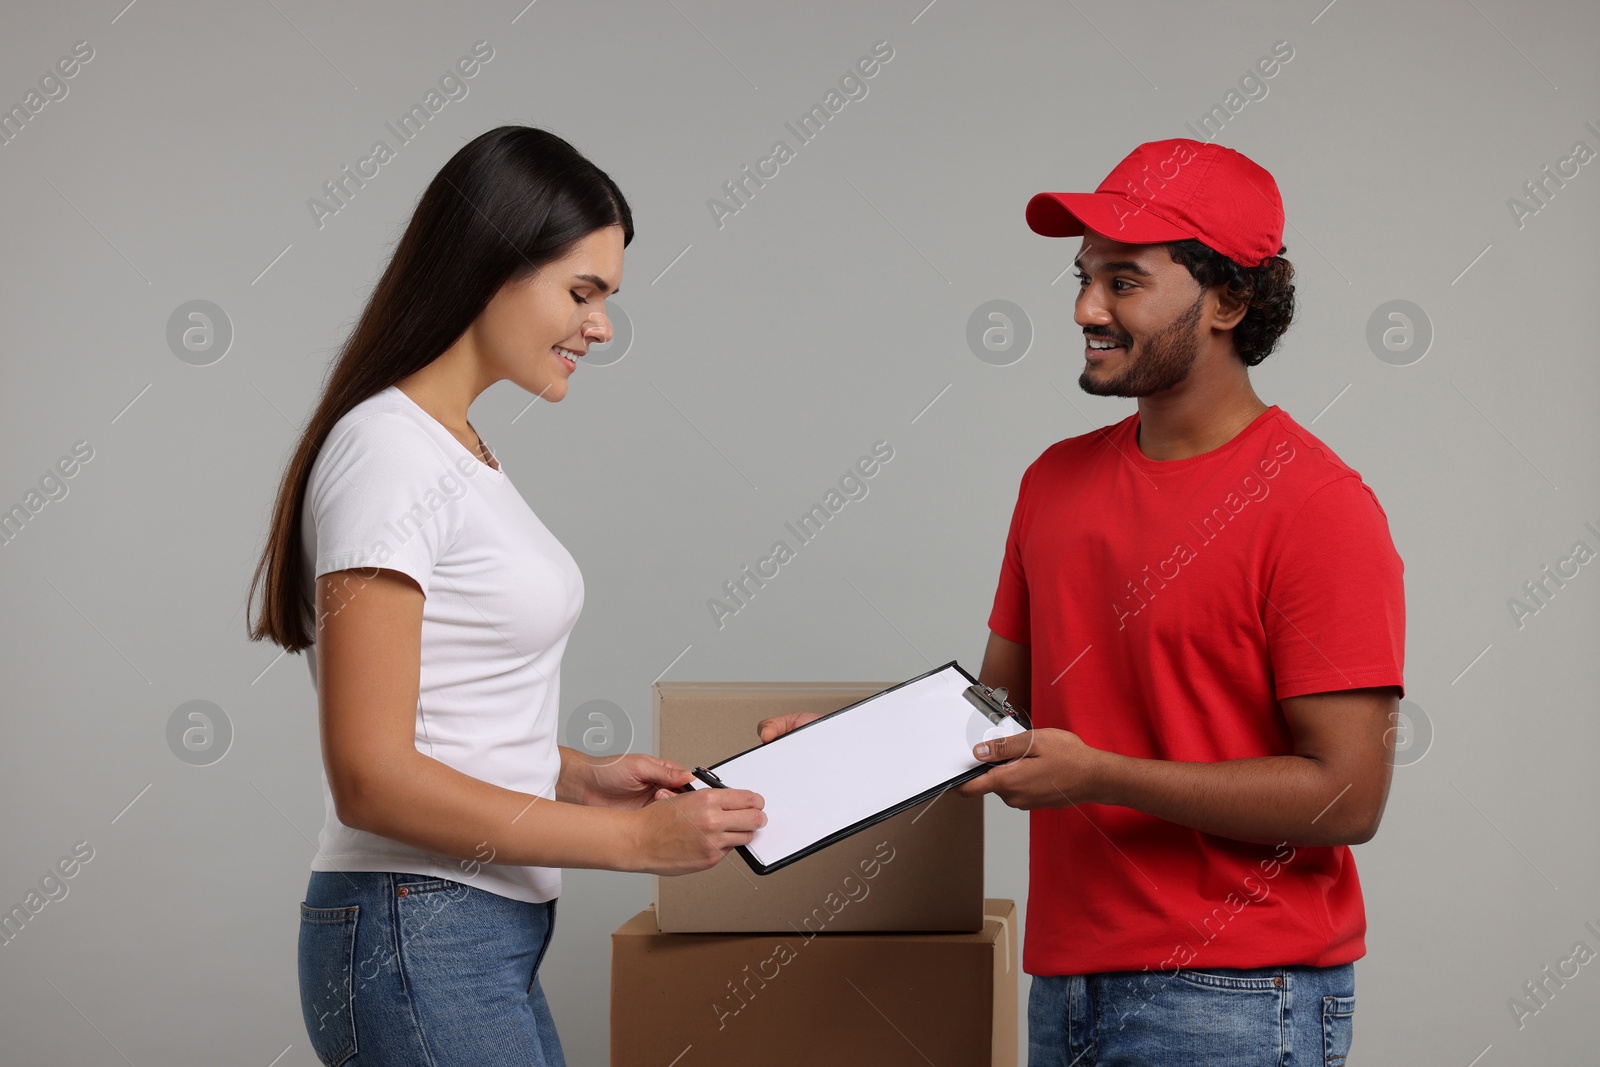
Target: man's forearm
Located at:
point(1268, 799)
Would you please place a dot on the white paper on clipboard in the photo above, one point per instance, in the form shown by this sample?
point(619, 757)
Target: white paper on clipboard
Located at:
point(850, 766)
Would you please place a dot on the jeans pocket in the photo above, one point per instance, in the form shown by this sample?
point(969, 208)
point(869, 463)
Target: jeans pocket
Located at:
point(327, 956)
point(1197, 1018)
point(1338, 1029)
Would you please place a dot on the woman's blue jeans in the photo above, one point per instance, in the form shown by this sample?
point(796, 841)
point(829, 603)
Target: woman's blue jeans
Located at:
point(402, 969)
point(1266, 1017)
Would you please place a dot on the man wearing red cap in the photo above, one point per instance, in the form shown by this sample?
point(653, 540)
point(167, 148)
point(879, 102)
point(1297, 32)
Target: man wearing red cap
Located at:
point(1202, 608)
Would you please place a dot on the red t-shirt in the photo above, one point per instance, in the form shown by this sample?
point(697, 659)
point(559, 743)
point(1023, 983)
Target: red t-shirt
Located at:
point(1169, 606)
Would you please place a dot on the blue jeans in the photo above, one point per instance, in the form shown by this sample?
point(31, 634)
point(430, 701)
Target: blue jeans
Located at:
point(1277, 1016)
point(401, 969)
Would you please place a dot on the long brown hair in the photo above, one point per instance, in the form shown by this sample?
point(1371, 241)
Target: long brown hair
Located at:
point(507, 203)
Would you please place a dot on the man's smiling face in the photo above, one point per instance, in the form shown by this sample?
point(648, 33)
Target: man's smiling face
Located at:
point(1142, 317)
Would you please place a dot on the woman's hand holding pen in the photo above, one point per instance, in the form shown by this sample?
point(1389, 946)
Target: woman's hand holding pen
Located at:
point(687, 832)
point(672, 829)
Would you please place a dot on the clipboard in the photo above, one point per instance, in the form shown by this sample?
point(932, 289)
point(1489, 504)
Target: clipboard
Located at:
point(868, 761)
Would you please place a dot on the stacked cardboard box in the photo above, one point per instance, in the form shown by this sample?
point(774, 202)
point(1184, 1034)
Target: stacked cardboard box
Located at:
point(846, 1000)
point(878, 950)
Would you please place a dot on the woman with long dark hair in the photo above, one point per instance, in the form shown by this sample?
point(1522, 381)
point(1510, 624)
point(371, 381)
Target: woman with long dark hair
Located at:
point(434, 607)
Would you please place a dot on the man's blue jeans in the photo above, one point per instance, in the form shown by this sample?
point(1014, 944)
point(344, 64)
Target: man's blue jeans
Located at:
point(1266, 1017)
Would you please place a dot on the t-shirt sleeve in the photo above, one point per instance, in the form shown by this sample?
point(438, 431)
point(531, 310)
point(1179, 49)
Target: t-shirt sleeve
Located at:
point(383, 494)
point(1009, 616)
point(1335, 597)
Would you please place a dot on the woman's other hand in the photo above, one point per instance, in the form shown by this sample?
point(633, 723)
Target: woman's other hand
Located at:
point(632, 781)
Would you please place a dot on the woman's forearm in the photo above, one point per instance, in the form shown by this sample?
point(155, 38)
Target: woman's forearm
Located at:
point(434, 807)
point(576, 778)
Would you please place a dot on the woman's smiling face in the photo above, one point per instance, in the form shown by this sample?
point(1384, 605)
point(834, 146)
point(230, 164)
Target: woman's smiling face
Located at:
point(523, 331)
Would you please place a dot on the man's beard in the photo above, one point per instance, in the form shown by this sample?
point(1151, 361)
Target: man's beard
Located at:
point(1166, 360)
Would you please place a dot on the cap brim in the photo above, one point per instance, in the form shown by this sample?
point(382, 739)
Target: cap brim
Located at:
point(1117, 217)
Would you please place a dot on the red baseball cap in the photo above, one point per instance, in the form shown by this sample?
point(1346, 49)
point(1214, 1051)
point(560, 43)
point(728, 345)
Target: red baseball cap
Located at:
point(1174, 191)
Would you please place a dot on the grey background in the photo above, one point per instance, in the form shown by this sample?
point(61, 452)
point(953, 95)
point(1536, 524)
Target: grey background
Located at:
point(826, 315)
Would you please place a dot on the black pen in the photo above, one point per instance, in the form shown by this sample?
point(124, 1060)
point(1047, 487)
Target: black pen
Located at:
point(709, 777)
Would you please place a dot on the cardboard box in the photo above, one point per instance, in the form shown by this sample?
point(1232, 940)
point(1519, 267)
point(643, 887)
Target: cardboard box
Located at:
point(921, 870)
point(874, 1000)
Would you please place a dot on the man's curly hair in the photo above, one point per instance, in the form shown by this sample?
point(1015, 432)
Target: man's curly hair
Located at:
point(1267, 289)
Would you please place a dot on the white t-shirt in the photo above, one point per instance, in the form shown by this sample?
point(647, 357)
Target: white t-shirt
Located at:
point(393, 488)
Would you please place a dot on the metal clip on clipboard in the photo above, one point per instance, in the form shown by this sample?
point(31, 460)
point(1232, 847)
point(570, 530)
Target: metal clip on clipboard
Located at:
point(995, 705)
